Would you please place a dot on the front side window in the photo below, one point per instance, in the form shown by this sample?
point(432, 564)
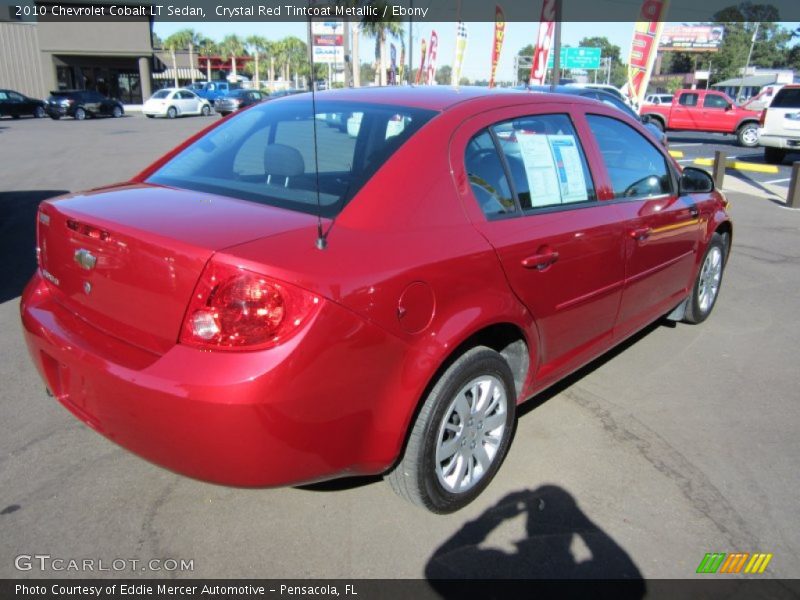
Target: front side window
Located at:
point(270, 154)
point(636, 168)
point(715, 101)
point(688, 100)
point(546, 161)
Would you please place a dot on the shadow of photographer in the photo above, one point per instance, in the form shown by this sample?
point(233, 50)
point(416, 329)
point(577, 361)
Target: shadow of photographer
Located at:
point(553, 520)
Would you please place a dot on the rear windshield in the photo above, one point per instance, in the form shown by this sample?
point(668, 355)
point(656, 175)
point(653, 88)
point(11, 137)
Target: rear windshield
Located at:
point(787, 98)
point(161, 94)
point(267, 154)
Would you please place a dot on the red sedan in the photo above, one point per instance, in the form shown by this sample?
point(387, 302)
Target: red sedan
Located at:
point(278, 301)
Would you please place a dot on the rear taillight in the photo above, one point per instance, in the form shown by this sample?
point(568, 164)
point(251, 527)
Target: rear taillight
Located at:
point(237, 309)
point(763, 118)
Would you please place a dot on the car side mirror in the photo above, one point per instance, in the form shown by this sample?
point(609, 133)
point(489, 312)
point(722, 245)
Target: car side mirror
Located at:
point(728, 106)
point(696, 181)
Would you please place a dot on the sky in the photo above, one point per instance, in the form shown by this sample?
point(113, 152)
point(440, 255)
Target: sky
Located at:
point(479, 46)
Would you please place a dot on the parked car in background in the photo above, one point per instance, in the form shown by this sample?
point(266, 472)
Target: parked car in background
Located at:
point(16, 105)
point(269, 304)
point(604, 87)
point(212, 90)
point(238, 99)
point(705, 110)
point(286, 92)
point(175, 102)
point(779, 133)
point(606, 98)
point(80, 104)
point(658, 99)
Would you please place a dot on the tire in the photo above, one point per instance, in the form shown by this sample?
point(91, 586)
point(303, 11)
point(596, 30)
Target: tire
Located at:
point(774, 156)
point(705, 290)
point(448, 425)
point(55, 117)
point(206, 110)
point(657, 122)
point(172, 112)
point(150, 116)
point(116, 112)
point(38, 112)
point(15, 117)
point(80, 114)
point(747, 135)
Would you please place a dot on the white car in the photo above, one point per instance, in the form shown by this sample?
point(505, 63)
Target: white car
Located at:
point(779, 133)
point(176, 102)
point(658, 99)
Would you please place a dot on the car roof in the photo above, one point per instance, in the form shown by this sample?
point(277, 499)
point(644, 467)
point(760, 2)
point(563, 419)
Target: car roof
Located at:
point(438, 98)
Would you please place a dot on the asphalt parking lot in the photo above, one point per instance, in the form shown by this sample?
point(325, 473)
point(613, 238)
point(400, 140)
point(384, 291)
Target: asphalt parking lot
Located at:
point(679, 443)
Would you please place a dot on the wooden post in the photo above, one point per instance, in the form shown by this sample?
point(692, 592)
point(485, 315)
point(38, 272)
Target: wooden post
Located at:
point(793, 198)
point(718, 173)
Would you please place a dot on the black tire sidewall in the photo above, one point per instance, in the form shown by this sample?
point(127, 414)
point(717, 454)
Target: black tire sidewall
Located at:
point(484, 362)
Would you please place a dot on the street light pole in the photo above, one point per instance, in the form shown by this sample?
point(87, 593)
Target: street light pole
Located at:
point(747, 65)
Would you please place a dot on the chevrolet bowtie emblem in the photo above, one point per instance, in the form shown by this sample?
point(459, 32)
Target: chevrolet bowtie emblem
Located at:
point(85, 259)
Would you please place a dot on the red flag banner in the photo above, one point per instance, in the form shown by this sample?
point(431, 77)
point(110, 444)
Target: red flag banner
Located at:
point(422, 51)
point(433, 47)
point(644, 47)
point(544, 42)
point(499, 37)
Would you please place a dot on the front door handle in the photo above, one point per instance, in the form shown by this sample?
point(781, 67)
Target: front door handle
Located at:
point(694, 211)
point(640, 233)
point(541, 260)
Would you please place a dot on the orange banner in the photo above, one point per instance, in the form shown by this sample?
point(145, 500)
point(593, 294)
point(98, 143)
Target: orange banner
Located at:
point(645, 47)
point(499, 37)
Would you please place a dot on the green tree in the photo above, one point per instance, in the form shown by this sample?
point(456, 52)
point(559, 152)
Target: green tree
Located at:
point(208, 48)
point(444, 75)
point(524, 73)
point(232, 47)
point(381, 31)
point(607, 49)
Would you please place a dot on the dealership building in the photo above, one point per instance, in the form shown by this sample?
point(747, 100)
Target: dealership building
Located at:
point(115, 58)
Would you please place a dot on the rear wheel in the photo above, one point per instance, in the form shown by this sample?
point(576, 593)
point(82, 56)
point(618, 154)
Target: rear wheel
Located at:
point(747, 135)
point(116, 112)
point(206, 110)
point(774, 156)
point(461, 435)
point(38, 112)
point(656, 121)
point(80, 114)
point(172, 112)
point(706, 287)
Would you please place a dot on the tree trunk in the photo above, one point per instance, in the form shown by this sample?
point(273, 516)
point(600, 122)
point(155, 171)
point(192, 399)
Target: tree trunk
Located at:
point(191, 62)
point(384, 80)
point(174, 66)
point(233, 68)
point(355, 60)
point(208, 68)
point(271, 73)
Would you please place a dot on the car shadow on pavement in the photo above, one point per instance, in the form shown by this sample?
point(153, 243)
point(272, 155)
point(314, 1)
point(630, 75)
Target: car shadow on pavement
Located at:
point(18, 238)
point(560, 542)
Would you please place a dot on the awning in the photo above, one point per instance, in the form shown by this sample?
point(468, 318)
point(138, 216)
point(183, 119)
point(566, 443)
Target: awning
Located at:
point(183, 73)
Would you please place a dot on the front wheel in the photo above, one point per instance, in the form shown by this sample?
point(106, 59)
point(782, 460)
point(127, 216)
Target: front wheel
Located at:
point(206, 110)
point(116, 112)
point(80, 114)
point(747, 135)
point(706, 286)
point(461, 435)
point(38, 112)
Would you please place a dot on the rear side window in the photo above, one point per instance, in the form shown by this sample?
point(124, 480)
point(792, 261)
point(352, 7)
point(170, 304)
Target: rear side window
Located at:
point(546, 162)
point(160, 94)
point(787, 98)
point(636, 168)
point(487, 176)
point(688, 99)
point(269, 154)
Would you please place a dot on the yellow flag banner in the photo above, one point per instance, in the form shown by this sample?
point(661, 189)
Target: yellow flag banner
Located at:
point(461, 48)
point(499, 37)
point(645, 47)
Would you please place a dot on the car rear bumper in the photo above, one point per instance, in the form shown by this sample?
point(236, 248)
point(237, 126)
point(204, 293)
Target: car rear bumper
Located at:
point(57, 110)
point(786, 142)
point(305, 411)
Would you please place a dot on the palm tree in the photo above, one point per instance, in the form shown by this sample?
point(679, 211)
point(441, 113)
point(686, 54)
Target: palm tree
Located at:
point(257, 45)
point(355, 59)
point(295, 53)
point(172, 43)
point(208, 48)
point(381, 30)
point(232, 46)
point(185, 38)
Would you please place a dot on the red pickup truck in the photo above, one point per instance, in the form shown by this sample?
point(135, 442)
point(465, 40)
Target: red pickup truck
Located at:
point(705, 110)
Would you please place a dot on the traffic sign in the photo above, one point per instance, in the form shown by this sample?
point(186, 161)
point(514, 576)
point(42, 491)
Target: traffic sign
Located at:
point(577, 58)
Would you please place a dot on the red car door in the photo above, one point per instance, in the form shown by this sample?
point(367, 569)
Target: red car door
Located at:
point(719, 113)
point(684, 112)
point(662, 229)
point(527, 187)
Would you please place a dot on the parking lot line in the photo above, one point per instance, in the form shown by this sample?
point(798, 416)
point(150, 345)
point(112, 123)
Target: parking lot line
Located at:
point(784, 180)
point(739, 165)
point(676, 154)
point(684, 145)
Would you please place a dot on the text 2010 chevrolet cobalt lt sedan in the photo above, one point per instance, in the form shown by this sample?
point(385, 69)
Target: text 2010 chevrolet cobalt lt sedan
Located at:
point(278, 302)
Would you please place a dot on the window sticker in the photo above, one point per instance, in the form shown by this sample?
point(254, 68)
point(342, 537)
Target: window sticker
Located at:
point(554, 169)
point(539, 169)
point(569, 166)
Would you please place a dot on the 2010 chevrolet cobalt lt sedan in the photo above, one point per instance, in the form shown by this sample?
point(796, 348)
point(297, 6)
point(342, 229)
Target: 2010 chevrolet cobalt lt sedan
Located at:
point(278, 302)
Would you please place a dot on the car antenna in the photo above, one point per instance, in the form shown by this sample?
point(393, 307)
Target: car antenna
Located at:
point(322, 241)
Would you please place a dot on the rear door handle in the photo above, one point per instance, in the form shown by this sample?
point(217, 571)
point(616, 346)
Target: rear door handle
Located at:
point(640, 233)
point(541, 260)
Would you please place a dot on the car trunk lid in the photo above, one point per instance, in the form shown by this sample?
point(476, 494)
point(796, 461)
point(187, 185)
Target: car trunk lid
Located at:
point(126, 259)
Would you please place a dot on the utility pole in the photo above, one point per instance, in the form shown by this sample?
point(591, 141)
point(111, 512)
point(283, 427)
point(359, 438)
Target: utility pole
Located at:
point(747, 65)
point(557, 49)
